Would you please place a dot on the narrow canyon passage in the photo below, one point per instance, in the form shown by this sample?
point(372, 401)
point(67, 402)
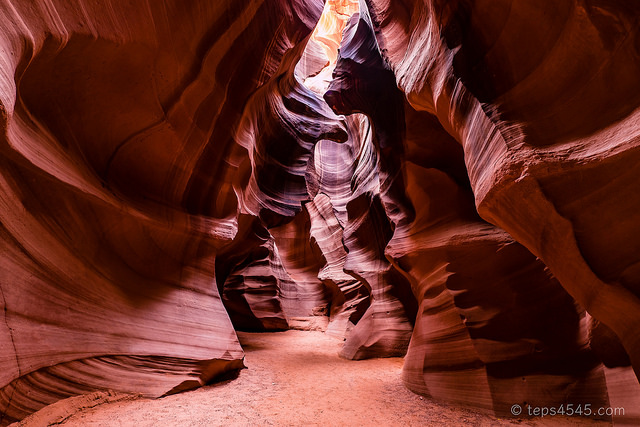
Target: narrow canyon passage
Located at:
point(293, 378)
point(447, 188)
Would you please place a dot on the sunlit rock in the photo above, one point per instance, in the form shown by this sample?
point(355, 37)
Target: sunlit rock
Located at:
point(544, 101)
point(451, 179)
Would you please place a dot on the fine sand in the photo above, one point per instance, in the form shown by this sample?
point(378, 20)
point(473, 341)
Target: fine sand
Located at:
point(293, 378)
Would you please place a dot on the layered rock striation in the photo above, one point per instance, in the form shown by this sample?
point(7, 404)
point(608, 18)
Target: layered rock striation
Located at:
point(456, 182)
point(494, 326)
point(542, 99)
point(118, 167)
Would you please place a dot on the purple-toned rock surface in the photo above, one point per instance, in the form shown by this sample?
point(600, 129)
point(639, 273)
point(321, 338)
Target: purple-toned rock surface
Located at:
point(457, 183)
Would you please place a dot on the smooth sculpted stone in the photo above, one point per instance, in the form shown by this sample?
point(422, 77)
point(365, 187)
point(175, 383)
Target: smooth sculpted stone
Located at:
point(543, 97)
point(350, 297)
point(492, 320)
point(458, 181)
point(249, 277)
point(305, 294)
point(377, 204)
point(281, 124)
point(117, 172)
point(541, 100)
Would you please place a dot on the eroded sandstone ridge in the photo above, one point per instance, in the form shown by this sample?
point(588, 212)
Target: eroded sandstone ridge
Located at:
point(543, 99)
point(458, 183)
point(119, 171)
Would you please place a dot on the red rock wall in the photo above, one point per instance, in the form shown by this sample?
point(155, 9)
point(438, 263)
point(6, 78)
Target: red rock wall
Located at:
point(482, 327)
point(542, 99)
point(118, 166)
point(172, 172)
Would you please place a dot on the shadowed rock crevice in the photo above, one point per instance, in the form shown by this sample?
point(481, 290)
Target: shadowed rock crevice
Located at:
point(451, 180)
point(486, 285)
point(529, 114)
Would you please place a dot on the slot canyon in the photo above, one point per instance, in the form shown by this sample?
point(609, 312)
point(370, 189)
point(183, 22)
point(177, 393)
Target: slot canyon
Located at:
point(452, 185)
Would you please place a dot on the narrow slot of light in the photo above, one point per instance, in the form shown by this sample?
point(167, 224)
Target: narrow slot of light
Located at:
point(328, 34)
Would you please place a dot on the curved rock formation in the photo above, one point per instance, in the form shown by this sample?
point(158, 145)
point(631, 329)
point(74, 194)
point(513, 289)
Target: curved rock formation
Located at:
point(118, 170)
point(456, 182)
point(304, 294)
point(544, 137)
point(247, 278)
point(482, 328)
point(350, 297)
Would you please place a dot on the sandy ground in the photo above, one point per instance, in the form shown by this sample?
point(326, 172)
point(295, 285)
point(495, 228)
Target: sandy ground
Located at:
point(294, 378)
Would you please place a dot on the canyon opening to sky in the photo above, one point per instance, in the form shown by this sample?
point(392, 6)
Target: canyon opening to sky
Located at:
point(428, 203)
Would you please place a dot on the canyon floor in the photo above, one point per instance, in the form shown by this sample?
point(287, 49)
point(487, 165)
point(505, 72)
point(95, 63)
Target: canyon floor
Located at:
point(293, 378)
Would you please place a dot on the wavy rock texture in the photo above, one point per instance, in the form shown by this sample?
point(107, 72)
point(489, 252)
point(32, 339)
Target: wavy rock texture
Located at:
point(248, 279)
point(542, 100)
point(173, 171)
point(119, 161)
point(480, 330)
point(304, 294)
point(350, 297)
point(372, 209)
